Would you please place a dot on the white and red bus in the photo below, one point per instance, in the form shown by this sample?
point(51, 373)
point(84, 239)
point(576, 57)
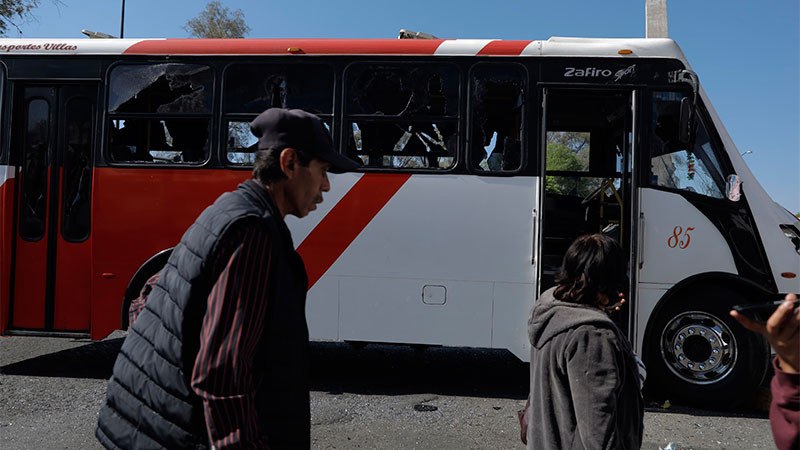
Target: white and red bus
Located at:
point(482, 161)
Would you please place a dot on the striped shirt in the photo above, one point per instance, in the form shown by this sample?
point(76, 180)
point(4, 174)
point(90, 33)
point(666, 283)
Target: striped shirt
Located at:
point(224, 374)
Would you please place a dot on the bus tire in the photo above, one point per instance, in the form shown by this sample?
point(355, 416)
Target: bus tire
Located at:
point(699, 354)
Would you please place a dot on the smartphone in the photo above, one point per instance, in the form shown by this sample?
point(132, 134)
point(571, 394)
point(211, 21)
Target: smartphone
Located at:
point(760, 312)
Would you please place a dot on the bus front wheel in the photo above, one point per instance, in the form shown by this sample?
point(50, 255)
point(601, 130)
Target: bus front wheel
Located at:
point(699, 354)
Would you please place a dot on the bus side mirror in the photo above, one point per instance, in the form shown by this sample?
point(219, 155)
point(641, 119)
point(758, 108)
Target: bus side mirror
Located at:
point(733, 188)
point(686, 122)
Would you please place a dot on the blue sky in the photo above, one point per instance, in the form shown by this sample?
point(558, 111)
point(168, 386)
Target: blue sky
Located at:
point(746, 53)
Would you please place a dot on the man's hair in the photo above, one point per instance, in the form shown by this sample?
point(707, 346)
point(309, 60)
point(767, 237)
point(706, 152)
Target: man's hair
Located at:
point(267, 166)
point(594, 264)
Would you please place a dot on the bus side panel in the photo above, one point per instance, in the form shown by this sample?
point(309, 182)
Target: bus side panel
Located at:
point(512, 303)
point(73, 285)
point(678, 241)
point(6, 226)
point(394, 310)
point(137, 213)
point(647, 297)
point(424, 269)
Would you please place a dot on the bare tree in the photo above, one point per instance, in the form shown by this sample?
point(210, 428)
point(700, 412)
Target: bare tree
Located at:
point(217, 22)
point(12, 11)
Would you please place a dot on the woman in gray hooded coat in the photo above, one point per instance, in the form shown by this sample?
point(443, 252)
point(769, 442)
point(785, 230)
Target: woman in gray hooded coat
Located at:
point(585, 391)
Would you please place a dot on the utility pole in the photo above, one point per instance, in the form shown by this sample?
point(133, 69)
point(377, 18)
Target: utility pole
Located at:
point(656, 19)
point(122, 22)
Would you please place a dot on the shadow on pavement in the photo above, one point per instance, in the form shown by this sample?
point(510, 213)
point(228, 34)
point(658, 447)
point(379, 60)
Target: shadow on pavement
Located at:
point(400, 369)
point(338, 367)
point(93, 360)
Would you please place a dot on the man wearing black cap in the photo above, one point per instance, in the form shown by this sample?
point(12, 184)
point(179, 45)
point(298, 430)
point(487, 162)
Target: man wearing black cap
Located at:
point(218, 357)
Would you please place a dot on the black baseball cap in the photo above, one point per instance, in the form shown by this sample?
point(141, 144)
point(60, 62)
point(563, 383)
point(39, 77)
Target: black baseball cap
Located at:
point(283, 128)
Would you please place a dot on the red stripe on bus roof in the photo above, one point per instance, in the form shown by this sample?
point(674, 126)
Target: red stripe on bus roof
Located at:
point(340, 227)
point(282, 46)
point(504, 48)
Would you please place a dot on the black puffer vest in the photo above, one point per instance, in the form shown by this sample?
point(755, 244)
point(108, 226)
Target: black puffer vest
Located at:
point(150, 403)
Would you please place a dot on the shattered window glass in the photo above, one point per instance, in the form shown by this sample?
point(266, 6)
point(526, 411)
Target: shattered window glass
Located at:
point(167, 141)
point(252, 88)
point(161, 88)
point(497, 98)
point(403, 90)
point(401, 116)
point(160, 113)
point(403, 144)
point(242, 144)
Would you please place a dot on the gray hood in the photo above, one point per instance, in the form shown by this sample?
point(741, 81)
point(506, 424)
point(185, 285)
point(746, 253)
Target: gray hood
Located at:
point(551, 317)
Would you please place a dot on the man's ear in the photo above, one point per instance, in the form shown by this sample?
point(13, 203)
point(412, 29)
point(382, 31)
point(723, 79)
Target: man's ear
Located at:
point(288, 162)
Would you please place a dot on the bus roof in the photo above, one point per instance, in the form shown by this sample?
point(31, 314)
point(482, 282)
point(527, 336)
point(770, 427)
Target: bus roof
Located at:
point(555, 46)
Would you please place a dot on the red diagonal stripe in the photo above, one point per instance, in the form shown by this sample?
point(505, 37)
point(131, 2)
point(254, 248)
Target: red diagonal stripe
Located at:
point(346, 221)
point(503, 48)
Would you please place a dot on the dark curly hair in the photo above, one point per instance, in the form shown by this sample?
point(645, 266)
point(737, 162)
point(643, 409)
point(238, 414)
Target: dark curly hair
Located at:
point(594, 264)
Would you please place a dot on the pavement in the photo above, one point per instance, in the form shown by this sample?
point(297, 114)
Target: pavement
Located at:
point(379, 396)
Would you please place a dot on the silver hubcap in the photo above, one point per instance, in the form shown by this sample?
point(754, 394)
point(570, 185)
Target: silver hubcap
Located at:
point(698, 347)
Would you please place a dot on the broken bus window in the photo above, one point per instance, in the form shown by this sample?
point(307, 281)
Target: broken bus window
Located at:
point(402, 117)
point(176, 99)
point(252, 88)
point(496, 103)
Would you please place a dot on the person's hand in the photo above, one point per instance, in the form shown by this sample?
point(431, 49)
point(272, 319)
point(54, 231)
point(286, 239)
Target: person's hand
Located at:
point(609, 307)
point(782, 330)
point(523, 422)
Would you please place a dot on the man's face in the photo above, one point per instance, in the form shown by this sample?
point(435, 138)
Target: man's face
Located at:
point(306, 187)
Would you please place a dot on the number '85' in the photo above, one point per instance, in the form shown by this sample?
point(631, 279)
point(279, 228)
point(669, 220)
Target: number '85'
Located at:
point(680, 238)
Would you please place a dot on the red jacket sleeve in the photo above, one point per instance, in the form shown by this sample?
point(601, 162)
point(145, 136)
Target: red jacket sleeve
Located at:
point(784, 412)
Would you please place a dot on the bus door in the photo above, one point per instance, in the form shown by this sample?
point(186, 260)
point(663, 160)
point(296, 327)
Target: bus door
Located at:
point(52, 149)
point(587, 137)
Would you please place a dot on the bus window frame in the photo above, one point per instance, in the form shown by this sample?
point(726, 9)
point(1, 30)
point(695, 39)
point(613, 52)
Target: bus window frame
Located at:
point(226, 117)
point(459, 119)
point(525, 119)
point(47, 165)
point(211, 116)
point(702, 116)
point(304, 61)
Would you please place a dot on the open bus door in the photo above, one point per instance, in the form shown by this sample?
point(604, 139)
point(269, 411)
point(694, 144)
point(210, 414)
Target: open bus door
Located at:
point(587, 137)
point(51, 147)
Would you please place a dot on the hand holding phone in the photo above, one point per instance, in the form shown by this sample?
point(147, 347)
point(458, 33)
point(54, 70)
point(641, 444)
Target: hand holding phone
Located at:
point(781, 328)
point(762, 311)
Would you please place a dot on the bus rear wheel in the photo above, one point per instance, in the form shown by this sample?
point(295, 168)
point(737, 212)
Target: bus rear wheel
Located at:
point(701, 355)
